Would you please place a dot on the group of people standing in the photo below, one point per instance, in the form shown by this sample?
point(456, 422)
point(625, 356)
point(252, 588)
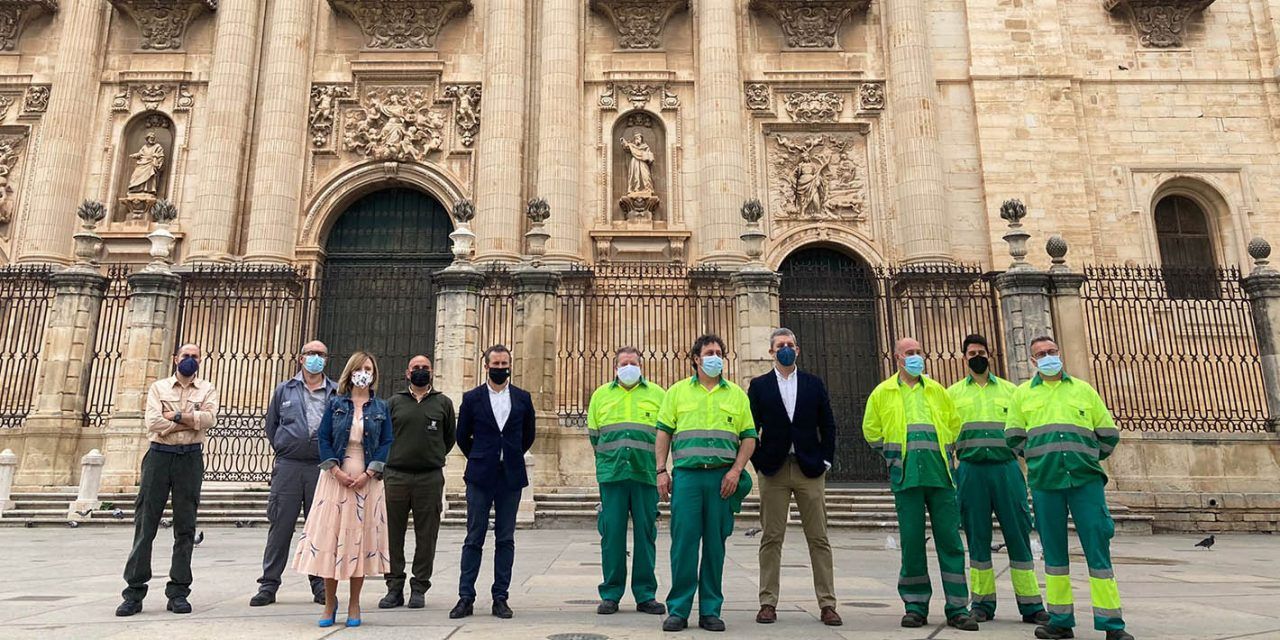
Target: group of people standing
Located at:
point(357, 466)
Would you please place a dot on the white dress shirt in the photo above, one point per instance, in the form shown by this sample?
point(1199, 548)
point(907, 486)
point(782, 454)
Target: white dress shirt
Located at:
point(500, 402)
point(787, 387)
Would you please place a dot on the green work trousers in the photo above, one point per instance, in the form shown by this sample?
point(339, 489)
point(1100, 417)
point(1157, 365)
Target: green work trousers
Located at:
point(620, 502)
point(1087, 505)
point(701, 521)
point(1000, 488)
point(913, 579)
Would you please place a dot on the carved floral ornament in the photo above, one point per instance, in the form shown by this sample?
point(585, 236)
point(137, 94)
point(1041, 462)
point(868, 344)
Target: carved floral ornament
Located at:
point(871, 96)
point(811, 24)
point(1160, 23)
point(401, 24)
point(14, 15)
point(163, 23)
point(639, 94)
point(814, 106)
point(639, 22)
point(36, 100)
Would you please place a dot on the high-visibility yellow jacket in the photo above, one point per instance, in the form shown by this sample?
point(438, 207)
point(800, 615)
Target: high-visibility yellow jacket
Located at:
point(905, 422)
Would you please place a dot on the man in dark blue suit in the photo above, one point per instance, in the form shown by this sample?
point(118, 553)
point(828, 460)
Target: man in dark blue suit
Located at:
point(495, 429)
point(792, 412)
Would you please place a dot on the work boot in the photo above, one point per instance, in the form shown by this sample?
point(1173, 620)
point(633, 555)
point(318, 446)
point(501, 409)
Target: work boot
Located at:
point(1039, 617)
point(262, 599)
point(178, 604)
point(392, 600)
point(1119, 634)
point(1050, 632)
point(652, 607)
point(711, 623)
point(607, 607)
point(674, 623)
point(129, 608)
point(417, 599)
point(963, 622)
point(913, 620)
point(982, 615)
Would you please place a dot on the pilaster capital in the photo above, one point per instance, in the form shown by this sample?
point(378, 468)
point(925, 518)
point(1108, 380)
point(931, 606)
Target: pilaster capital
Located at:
point(163, 23)
point(639, 22)
point(14, 15)
point(811, 24)
point(401, 24)
point(1159, 23)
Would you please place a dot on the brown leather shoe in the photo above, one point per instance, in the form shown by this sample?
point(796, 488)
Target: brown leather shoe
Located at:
point(830, 617)
point(768, 614)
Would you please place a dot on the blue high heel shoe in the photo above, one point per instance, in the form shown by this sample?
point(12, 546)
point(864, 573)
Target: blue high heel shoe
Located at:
point(324, 623)
point(353, 622)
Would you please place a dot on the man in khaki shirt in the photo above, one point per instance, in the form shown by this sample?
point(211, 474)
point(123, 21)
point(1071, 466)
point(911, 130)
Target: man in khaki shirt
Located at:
point(179, 410)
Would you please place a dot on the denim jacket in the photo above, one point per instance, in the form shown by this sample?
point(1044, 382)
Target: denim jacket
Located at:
point(335, 430)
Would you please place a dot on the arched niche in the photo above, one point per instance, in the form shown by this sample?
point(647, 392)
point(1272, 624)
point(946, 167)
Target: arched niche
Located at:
point(146, 164)
point(632, 159)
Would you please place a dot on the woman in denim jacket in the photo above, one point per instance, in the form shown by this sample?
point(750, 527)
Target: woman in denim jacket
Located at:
point(345, 537)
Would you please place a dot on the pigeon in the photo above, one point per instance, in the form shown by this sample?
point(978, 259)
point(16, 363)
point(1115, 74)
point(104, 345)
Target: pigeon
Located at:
point(29, 524)
point(752, 532)
point(997, 547)
point(1207, 543)
point(72, 524)
point(199, 538)
point(240, 524)
point(164, 522)
point(1122, 67)
point(85, 513)
point(118, 513)
point(890, 544)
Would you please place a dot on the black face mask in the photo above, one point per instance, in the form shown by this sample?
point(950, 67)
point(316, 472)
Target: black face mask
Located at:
point(420, 378)
point(499, 376)
point(979, 364)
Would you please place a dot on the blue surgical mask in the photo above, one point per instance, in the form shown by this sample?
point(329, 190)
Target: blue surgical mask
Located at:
point(629, 375)
point(914, 364)
point(713, 366)
point(1049, 365)
point(313, 364)
point(786, 356)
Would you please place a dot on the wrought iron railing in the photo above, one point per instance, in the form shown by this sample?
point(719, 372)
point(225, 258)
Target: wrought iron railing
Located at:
point(108, 345)
point(26, 296)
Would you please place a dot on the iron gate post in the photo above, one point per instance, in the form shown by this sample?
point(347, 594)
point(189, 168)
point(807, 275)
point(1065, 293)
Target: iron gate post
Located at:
point(1263, 288)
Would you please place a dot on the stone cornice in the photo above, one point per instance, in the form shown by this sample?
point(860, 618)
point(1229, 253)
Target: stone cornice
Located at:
point(639, 22)
point(14, 15)
point(401, 24)
point(163, 23)
point(1159, 23)
point(810, 24)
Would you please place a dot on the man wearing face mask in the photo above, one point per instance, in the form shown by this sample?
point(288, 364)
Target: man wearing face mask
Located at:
point(705, 424)
point(1064, 430)
point(496, 427)
point(293, 416)
point(990, 479)
point(423, 423)
point(911, 420)
point(621, 422)
point(179, 410)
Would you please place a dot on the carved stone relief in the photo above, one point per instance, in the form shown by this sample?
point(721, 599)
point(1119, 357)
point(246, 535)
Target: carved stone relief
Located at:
point(607, 99)
point(639, 22)
point(814, 106)
point(121, 101)
point(163, 23)
point(5, 103)
point(185, 100)
point(14, 15)
point(1160, 23)
point(638, 94)
point(152, 95)
point(394, 124)
point(324, 109)
point(401, 24)
point(9, 146)
point(871, 96)
point(36, 100)
point(466, 113)
point(818, 177)
point(810, 24)
point(759, 97)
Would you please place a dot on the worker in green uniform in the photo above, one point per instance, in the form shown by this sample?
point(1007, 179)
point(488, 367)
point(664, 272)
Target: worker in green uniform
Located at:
point(621, 422)
point(910, 419)
point(988, 479)
point(1060, 425)
point(705, 423)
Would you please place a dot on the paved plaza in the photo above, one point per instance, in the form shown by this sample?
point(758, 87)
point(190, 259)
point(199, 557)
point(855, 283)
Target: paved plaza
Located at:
point(64, 583)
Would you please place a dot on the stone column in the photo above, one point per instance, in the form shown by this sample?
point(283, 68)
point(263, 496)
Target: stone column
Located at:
point(721, 132)
point(58, 169)
point(1071, 328)
point(275, 202)
point(559, 126)
point(1263, 289)
point(1024, 300)
point(534, 366)
point(913, 103)
point(756, 293)
point(229, 104)
point(500, 149)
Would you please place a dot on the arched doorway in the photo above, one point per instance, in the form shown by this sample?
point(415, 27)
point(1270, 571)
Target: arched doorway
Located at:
point(830, 300)
point(376, 292)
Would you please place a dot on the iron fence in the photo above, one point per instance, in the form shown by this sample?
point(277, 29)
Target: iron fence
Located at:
point(1172, 356)
point(26, 297)
point(108, 346)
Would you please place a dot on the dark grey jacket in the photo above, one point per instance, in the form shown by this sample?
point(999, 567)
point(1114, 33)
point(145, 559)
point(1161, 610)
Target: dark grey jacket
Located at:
point(286, 424)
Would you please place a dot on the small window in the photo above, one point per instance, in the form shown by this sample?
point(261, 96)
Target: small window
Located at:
point(1186, 249)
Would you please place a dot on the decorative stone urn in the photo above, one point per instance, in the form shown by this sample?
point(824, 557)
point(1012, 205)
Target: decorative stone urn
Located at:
point(753, 238)
point(162, 240)
point(536, 238)
point(464, 240)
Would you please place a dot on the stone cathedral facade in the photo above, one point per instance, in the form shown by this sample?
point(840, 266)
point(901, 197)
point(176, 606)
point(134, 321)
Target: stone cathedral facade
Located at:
point(300, 134)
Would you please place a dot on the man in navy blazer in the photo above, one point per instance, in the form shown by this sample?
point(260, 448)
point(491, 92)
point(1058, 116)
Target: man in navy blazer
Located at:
point(792, 412)
point(495, 428)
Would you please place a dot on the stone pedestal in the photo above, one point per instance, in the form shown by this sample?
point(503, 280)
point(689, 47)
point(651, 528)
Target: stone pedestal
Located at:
point(456, 359)
point(756, 293)
point(90, 486)
point(52, 431)
point(1263, 289)
point(1024, 305)
point(534, 352)
point(148, 341)
point(8, 466)
point(1071, 329)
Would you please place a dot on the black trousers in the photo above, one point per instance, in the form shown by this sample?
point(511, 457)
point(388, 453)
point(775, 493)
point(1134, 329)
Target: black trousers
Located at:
point(162, 474)
point(421, 494)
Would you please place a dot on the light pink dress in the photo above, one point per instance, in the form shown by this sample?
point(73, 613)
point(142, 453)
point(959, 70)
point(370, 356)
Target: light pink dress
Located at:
point(346, 531)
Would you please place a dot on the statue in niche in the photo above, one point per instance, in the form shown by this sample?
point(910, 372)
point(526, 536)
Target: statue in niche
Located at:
point(811, 188)
point(639, 168)
point(149, 169)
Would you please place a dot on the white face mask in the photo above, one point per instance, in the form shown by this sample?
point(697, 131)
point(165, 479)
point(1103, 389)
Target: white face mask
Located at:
point(629, 374)
point(361, 378)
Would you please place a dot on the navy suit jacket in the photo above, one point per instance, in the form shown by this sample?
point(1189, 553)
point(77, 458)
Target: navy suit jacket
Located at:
point(495, 458)
point(813, 431)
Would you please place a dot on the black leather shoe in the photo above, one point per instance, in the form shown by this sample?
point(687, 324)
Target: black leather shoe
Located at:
point(392, 600)
point(318, 596)
point(264, 598)
point(711, 623)
point(912, 620)
point(674, 623)
point(1050, 632)
point(652, 607)
point(981, 615)
point(963, 622)
point(178, 605)
point(1039, 617)
point(417, 599)
point(607, 607)
point(463, 609)
point(1119, 635)
point(128, 608)
point(500, 609)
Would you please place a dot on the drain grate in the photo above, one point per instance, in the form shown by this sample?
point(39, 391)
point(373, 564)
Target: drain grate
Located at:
point(865, 605)
point(577, 636)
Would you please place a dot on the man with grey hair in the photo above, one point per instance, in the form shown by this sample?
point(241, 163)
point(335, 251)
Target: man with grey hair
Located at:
point(793, 416)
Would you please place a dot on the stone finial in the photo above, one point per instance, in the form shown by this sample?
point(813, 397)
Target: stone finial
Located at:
point(1056, 247)
point(1013, 211)
point(1260, 251)
point(753, 237)
point(464, 240)
point(752, 211)
point(164, 212)
point(162, 240)
point(88, 244)
point(538, 211)
point(464, 211)
point(91, 213)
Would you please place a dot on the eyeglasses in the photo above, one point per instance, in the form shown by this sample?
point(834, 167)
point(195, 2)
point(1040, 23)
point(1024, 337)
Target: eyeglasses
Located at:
point(313, 352)
point(1040, 354)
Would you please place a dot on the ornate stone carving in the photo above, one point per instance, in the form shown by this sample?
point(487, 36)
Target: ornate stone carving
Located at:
point(163, 23)
point(394, 124)
point(638, 93)
point(814, 106)
point(36, 100)
point(9, 145)
point(818, 177)
point(640, 201)
point(466, 114)
point(669, 100)
point(401, 24)
point(1159, 23)
point(185, 100)
point(871, 96)
point(152, 95)
point(144, 183)
point(607, 98)
point(5, 103)
point(759, 97)
point(120, 102)
point(810, 24)
point(639, 22)
point(324, 108)
point(14, 15)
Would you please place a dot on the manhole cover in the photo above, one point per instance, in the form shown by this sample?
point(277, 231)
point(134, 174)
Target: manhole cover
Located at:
point(577, 636)
point(865, 605)
point(582, 602)
point(37, 598)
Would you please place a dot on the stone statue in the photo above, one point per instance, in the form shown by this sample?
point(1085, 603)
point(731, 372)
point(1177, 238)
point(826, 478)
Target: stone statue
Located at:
point(149, 168)
point(639, 169)
point(811, 189)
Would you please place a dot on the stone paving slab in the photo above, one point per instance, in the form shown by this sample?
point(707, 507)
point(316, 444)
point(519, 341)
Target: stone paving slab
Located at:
point(66, 583)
